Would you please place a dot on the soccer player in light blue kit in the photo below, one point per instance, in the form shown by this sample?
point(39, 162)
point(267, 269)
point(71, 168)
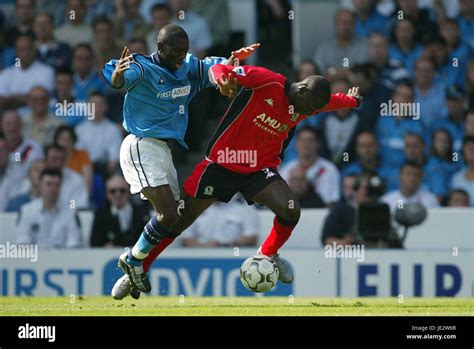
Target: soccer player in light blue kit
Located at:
point(159, 89)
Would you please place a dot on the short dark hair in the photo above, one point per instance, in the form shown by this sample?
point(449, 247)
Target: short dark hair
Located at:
point(64, 71)
point(65, 128)
point(102, 20)
point(54, 146)
point(160, 7)
point(411, 163)
point(51, 172)
point(83, 45)
point(457, 191)
point(466, 140)
point(307, 129)
point(414, 134)
point(47, 14)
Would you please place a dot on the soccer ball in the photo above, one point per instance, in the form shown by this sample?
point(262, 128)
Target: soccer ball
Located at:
point(259, 273)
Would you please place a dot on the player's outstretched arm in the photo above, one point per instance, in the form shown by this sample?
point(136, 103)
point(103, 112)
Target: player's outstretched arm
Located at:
point(122, 65)
point(343, 101)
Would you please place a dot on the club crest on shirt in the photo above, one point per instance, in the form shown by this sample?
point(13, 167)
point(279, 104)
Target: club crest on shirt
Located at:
point(209, 190)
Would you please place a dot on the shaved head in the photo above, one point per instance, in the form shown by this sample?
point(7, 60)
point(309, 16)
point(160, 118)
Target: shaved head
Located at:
point(171, 33)
point(310, 94)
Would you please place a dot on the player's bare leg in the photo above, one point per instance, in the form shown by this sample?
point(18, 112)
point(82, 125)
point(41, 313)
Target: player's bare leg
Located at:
point(155, 231)
point(278, 197)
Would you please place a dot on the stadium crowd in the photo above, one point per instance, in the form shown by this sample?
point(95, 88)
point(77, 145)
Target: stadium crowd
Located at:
point(60, 129)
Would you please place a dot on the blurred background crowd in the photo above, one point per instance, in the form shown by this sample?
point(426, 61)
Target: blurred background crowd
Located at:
point(413, 61)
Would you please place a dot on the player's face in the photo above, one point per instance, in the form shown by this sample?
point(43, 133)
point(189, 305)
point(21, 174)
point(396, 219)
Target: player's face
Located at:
point(302, 102)
point(172, 55)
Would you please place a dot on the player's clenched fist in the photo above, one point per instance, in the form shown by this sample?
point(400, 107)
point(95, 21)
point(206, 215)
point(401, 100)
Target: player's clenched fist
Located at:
point(122, 65)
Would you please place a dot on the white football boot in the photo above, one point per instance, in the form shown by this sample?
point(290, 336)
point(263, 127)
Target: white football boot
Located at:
point(123, 287)
point(286, 274)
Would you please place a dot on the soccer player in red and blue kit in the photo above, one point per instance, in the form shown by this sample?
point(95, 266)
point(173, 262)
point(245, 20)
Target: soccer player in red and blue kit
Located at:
point(246, 149)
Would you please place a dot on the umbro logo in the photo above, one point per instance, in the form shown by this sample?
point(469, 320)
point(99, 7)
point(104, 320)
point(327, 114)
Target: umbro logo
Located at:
point(162, 82)
point(269, 102)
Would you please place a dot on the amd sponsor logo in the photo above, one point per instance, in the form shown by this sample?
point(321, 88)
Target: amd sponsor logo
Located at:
point(37, 332)
point(269, 124)
point(175, 93)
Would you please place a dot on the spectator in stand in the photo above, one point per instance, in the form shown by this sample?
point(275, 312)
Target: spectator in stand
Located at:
point(392, 126)
point(217, 16)
point(10, 175)
point(7, 53)
point(303, 190)
point(458, 198)
point(161, 15)
point(74, 193)
point(404, 47)
point(50, 51)
point(224, 225)
point(76, 159)
point(200, 38)
point(466, 21)
point(100, 8)
point(368, 159)
point(23, 150)
point(40, 125)
point(63, 95)
point(458, 48)
point(443, 162)
point(340, 225)
point(368, 20)
point(425, 28)
point(23, 25)
point(139, 46)
point(390, 72)
point(105, 45)
point(29, 187)
point(469, 124)
point(86, 77)
point(348, 186)
point(75, 30)
point(374, 93)
point(120, 223)
point(470, 83)
point(130, 24)
point(411, 189)
point(464, 179)
point(346, 44)
point(322, 174)
point(415, 152)
point(46, 221)
point(339, 129)
point(456, 117)
point(306, 68)
point(448, 72)
point(428, 93)
point(16, 82)
point(100, 137)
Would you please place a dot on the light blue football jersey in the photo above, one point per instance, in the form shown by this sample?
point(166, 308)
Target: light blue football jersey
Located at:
point(157, 100)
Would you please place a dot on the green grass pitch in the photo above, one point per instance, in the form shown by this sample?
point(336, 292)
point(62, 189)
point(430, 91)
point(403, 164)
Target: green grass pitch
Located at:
point(233, 306)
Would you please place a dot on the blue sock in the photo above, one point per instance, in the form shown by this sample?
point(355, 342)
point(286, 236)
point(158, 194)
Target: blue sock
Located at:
point(152, 234)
